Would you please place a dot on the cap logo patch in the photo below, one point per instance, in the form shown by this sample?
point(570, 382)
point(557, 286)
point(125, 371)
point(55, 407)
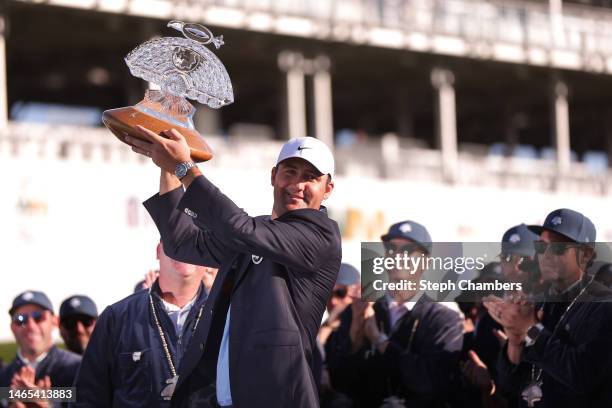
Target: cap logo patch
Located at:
point(514, 238)
point(303, 147)
point(75, 302)
point(556, 220)
point(405, 228)
point(27, 296)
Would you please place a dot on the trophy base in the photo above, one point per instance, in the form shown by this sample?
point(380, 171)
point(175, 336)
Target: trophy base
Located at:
point(122, 122)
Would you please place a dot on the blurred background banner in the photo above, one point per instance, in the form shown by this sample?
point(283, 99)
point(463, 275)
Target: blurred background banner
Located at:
point(468, 116)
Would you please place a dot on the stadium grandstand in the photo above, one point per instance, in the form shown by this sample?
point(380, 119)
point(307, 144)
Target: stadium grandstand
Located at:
point(467, 115)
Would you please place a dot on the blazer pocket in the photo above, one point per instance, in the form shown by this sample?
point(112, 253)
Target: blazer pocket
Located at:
point(135, 374)
point(275, 338)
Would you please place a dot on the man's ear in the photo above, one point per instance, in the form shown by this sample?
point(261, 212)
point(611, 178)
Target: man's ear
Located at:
point(273, 175)
point(159, 250)
point(55, 320)
point(586, 254)
point(329, 187)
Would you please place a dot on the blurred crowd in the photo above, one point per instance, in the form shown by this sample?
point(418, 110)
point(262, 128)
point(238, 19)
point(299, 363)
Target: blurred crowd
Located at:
point(545, 346)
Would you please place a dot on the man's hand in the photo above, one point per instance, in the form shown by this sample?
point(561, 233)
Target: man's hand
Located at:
point(25, 378)
point(166, 153)
point(372, 332)
point(150, 278)
point(477, 373)
point(356, 331)
point(515, 314)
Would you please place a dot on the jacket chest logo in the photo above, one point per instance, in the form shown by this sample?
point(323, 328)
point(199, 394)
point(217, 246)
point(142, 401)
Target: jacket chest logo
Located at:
point(256, 259)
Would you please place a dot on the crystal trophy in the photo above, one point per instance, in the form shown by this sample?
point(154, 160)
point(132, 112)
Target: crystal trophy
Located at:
point(182, 68)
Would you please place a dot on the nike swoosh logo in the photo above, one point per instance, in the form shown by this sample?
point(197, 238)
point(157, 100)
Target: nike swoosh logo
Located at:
point(304, 147)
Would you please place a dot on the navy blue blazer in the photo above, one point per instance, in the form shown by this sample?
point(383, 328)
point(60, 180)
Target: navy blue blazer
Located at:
point(277, 275)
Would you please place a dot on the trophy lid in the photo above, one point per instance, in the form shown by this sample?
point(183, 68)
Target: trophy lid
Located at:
point(184, 66)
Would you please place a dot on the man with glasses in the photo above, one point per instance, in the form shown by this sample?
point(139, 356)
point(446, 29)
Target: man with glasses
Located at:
point(78, 316)
point(482, 341)
point(566, 343)
point(32, 324)
point(517, 257)
point(405, 345)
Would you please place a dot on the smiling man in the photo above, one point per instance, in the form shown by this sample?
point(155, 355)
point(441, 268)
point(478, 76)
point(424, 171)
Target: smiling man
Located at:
point(32, 324)
point(255, 346)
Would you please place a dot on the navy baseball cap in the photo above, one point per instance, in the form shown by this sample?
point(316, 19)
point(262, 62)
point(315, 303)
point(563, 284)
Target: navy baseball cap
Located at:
point(519, 240)
point(78, 305)
point(31, 297)
point(569, 223)
point(410, 230)
point(348, 275)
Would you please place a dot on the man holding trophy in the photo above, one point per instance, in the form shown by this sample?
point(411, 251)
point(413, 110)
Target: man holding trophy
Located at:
point(255, 342)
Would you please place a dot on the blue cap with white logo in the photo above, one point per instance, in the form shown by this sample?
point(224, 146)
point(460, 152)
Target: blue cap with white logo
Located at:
point(519, 240)
point(412, 231)
point(348, 275)
point(78, 305)
point(31, 297)
point(569, 223)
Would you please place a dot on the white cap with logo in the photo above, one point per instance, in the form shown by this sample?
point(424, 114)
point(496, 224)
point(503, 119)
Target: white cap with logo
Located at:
point(310, 149)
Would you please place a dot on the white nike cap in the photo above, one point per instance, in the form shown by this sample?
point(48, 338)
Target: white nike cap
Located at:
point(310, 149)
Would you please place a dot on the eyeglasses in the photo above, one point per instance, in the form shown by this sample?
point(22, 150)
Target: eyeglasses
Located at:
point(399, 249)
point(556, 248)
point(21, 319)
point(340, 293)
point(70, 322)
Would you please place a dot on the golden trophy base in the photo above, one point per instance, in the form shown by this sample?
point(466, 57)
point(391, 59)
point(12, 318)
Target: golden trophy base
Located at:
point(122, 122)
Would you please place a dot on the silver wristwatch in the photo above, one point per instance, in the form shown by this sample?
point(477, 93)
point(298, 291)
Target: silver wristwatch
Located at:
point(533, 333)
point(183, 168)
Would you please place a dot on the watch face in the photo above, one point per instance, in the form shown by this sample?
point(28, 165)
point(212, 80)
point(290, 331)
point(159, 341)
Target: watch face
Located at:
point(181, 170)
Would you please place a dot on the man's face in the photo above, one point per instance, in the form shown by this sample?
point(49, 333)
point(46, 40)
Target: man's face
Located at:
point(298, 184)
point(32, 336)
point(554, 267)
point(412, 271)
point(76, 331)
point(168, 265)
point(511, 267)
point(342, 296)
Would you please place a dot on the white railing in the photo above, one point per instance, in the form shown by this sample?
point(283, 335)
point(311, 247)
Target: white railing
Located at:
point(52, 142)
point(580, 28)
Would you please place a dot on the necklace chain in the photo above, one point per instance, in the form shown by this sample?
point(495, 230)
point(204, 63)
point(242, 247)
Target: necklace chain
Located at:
point(163, 337)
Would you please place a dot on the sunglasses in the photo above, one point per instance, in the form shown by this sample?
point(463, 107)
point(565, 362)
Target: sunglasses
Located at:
point(398, 249)
point(21, 319)
point(556, 248)
point(340, 293)
point(70, 322)
point(512, 258)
